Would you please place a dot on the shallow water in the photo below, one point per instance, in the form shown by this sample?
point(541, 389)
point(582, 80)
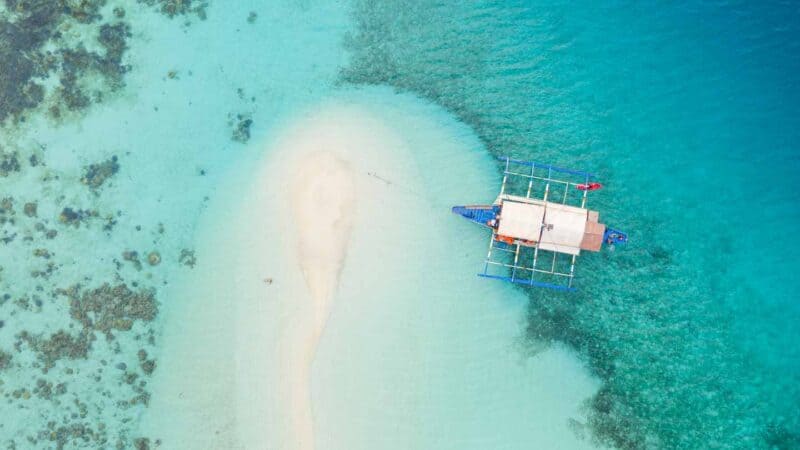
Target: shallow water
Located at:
point(687, 112)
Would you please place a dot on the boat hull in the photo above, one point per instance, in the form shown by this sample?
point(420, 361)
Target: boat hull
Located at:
point(480, 214)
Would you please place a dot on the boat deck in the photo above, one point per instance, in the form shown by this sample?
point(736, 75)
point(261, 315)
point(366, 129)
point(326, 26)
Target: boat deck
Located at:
point(545, 216)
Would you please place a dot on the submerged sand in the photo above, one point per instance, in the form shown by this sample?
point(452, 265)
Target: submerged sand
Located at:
point(335, 305)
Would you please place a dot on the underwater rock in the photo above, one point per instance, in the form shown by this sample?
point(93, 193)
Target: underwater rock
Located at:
point(251, 18)
point(42, 253)
point(30, 209)
point(109, 224)
point(9, 162)
point(43, 389)
point(187, 258)
point(48, 270)
point(172, 8)
point(241, 133)
point(94, 175)
point(69, 216)
point(154, 258)
point(7, 206)
point(141, 443)
point(132, 256)
point(148, 366)
point(5, 360)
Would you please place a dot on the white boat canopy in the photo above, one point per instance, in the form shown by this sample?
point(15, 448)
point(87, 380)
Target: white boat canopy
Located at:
point(551, 226)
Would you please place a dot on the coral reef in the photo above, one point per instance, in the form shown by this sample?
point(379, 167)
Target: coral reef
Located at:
point(147, 365)
point(5, 360)
point(172, 8)
point(30, 209)
point(6, 209)
point(94, 175)
point(78, 434)
point(58, 58)
point(9, 162)
point(187, 258)
point(154, 258)
point(108, 307)
point(26, 37)
point(75, 217)
point(141, 444)
point(59, 345)
point(34, 48)
point(133, 257)
point(241, 131)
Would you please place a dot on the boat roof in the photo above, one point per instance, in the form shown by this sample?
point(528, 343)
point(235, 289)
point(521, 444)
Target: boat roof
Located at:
point(522, 220)
point(554, 226)
point(549, 214)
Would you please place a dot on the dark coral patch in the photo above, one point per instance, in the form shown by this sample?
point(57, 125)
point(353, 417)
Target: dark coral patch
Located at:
point(23, 36)
point(172, 8)
point(5, 360)
point(75, 217)
point(94, 175)
point(9, 162)
point(241, 132)
point(60, 345)
point(110, 307)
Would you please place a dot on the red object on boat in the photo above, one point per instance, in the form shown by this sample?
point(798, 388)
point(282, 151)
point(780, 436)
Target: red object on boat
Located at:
point(505, 239)
point(589, 187)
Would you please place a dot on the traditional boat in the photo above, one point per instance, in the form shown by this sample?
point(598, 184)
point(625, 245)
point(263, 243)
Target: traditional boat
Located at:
point(540, 224)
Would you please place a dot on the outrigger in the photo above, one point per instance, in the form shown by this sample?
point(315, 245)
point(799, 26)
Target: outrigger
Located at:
point(540, 224)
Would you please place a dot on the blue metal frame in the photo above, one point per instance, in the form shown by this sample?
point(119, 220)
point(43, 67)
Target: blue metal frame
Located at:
point(546, 166)
point(530, 282)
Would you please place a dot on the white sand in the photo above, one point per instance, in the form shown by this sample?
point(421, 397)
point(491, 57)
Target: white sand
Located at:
point(374, 332)
point(323, 203)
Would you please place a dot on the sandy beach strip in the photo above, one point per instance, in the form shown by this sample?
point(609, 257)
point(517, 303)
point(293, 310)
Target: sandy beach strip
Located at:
point(323, 201)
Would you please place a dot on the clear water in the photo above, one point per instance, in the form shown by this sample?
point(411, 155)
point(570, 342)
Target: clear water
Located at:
point(687, 111)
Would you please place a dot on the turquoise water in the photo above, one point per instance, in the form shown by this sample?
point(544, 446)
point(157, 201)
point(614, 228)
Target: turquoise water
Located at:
point(687, 111)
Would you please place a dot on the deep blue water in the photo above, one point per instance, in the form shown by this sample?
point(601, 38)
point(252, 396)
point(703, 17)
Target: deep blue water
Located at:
point(689, 112)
